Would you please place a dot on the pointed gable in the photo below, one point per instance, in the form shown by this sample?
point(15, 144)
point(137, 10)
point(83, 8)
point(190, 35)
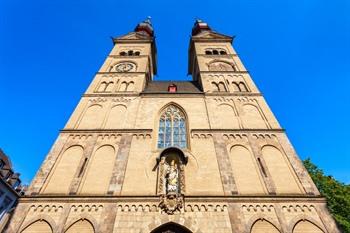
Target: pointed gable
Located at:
point(211, 35)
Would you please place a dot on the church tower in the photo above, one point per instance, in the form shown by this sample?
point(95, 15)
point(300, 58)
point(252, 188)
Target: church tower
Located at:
point(139, 155)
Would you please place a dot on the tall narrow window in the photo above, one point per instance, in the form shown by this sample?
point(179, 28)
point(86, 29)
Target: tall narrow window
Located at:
point(172, 128)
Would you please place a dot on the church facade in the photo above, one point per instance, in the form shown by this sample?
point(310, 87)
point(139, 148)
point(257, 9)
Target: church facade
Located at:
point(139, 155)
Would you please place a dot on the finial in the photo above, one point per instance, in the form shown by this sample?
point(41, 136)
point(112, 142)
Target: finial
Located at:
point(145, 26)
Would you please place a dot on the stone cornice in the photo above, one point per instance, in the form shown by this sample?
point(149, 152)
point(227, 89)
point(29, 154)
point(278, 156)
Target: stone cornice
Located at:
point(238, 130)
point(226, 94)
point(115, 72)
point(226, 72)
point(231, 199)
point(121, 94)
point(105, 130)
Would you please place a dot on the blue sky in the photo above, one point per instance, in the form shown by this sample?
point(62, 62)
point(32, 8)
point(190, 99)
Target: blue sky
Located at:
point(296, 51)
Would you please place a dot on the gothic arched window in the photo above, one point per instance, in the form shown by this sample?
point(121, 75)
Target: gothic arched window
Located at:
point(172, 128)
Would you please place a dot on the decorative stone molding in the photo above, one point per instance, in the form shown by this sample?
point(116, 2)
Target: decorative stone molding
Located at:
point(137, 208)
point(223, 99)
point(86, 208)
point(201, 136)
point(109, 136)
point(142, 136)
point(122, 99)
point(80, 137)
point(97, 100)
point(298, 208)
point(236, 136)
point(258, 208)
point(46, 208)
point(246, 99)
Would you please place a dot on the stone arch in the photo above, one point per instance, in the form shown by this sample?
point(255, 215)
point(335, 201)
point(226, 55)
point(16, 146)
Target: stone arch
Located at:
point(252, 117)
point(235, 87)
point(116, 117)
point(130, 86)
point(42, 225)
point(308, 219)
point(102, 87)
point(263, 224)
point(220, 65)
point(171, 227)
point(243, 87)
point(245, 170)
point(279, 170)
point(123, 86)
point(109, 86)
point(226, 117)
point(92, 117)
point(65, 170)
point(222, 87)
point(215, 87)
point(81, 225)
point(99, 170)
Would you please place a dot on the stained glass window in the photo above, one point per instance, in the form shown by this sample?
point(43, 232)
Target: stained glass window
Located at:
point(172, 128)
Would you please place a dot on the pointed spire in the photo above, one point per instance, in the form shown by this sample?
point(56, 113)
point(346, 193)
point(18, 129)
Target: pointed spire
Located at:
point(200, 26)
point(145, 27)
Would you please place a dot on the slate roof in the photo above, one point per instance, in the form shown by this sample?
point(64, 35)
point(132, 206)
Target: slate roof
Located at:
point(182, 87)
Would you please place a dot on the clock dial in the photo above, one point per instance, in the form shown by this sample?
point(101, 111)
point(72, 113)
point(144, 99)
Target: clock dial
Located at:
point(124, 67)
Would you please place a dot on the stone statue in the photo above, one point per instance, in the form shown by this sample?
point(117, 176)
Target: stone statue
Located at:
point(172, 178)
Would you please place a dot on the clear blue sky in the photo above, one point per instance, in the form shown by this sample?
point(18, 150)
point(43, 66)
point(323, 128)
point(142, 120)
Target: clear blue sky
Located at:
point(298, 53)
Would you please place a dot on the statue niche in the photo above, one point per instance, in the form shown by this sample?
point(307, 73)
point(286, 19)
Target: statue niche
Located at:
point(171, 180)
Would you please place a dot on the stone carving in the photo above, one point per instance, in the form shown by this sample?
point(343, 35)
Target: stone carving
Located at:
point(171, 185)
point(172, 203)
point(172, 178)
point(220, 66)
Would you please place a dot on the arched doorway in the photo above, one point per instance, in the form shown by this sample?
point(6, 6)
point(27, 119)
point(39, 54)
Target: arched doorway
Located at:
point(171, 228)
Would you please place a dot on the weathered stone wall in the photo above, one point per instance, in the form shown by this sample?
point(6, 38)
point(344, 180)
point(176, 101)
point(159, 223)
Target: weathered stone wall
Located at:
point(201, 215)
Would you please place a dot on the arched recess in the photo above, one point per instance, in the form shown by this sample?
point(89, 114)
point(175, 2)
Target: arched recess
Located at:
point(306, 227)
point(40, 226)
point(116, 117)
point(99, 171)
point(64, 171)
point(222, 87)
point(102, 87)
point(263, 226)
point(130, 86)
point(92, 117)
point(81, 226)
point(109, 86)
point(123, 86)
point(245, 172)
point(243, 87)
point(215, 87)
point(171, 171)
point(171, 227)
point(279, 170)
point(252, 118)
point(235, 87)
point(226, 117)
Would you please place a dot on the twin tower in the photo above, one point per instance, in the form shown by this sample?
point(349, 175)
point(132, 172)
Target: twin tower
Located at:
point(143, 156)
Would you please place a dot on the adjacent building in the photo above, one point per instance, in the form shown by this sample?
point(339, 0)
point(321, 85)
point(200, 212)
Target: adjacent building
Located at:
point(139, 155)
point(10, 189)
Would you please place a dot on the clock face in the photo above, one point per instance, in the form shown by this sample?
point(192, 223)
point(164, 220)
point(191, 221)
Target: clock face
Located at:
point(124, 67)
